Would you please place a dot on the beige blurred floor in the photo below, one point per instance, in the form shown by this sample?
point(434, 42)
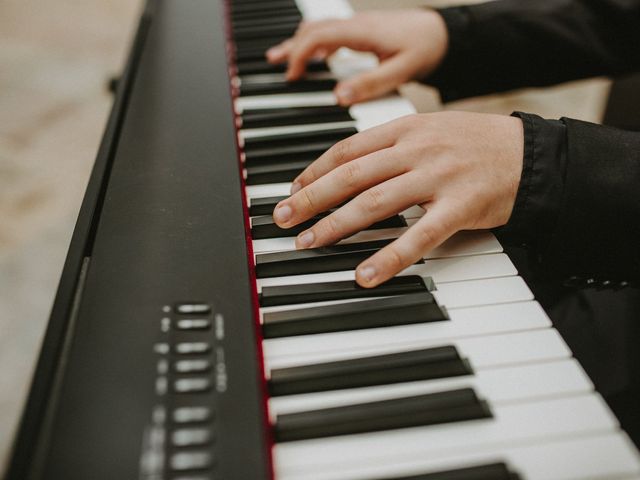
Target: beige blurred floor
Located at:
point(55, 57)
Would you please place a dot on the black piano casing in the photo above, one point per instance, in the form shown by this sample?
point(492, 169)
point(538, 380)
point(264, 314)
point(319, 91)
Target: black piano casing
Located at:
point(162, 222)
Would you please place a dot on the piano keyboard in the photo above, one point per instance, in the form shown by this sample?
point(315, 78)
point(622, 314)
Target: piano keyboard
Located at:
point(451, 370)
point(189, 340)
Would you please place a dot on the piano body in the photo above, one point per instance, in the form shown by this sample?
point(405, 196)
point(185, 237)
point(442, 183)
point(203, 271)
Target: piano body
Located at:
point(189, 341)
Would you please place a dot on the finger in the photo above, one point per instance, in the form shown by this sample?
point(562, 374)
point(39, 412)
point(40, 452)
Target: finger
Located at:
point(388, 76)
point(329, 36)
point(375, 204)
point(279, 53)
point(358, 145)
point(337, 186)
point(438, 224)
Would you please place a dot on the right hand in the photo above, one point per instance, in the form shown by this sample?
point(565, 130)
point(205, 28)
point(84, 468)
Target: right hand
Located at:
point(409, 44)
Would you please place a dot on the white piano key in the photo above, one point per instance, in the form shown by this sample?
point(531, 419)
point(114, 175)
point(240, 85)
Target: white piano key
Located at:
point(284, 100)
point(464, 243)
point(261, 78)
point(489, 291)
point(314, 10)
point(513, 425)
point(459, 245)
point(412, 213)
point(441, 270)
point(483, 352)
point(382, 110)
point(280, 244)
point(280, 130)
point(501, 385)
point(268, 190)
point(602, 456)
point(482, 292)
point(463, 323)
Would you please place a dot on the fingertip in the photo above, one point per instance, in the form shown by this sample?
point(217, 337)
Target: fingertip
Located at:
point(345, 94)
point(296, 186)
point(282, 213)
point(275, 54)
point(367, 276)
point(305, 239)
point(293, 72)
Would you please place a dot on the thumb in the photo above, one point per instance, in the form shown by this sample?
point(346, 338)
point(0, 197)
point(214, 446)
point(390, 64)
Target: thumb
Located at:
point(388, 76)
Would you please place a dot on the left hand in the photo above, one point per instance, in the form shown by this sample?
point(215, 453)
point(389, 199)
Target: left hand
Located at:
point(463, 168)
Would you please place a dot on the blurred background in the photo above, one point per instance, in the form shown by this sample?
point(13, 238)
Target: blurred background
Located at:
point(55, 61)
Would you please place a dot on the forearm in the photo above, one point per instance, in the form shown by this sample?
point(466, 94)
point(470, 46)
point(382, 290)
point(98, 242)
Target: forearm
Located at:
point(578, 205)
point(507, 44)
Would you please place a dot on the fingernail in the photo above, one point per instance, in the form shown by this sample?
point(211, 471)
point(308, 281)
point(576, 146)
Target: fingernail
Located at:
point(305, 239)
point(295, 187)
point(282, 214)
point(367, 273)
point(345, 94)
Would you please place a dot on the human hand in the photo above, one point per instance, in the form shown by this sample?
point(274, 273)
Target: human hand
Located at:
point(463, 168)
point(409, 44)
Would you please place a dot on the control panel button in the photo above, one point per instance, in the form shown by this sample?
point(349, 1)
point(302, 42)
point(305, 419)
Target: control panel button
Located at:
point(193, 324)
point(192, 366)
point(192, 385)
point(190, 437)
point(191, 461)
point(193, 308)
point(192, 414)
point(187, 348)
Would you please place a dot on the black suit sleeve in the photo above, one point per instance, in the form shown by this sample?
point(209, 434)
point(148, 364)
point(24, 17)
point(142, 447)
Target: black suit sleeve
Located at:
point(578, 205)
point(507, 44)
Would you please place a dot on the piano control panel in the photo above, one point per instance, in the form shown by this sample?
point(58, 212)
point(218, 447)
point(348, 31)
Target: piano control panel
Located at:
point(190, 372)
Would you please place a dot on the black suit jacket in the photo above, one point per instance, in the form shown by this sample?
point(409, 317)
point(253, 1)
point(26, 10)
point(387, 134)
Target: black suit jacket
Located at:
point(578, 205)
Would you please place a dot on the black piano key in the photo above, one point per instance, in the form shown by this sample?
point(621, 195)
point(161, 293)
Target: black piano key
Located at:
point(259, 21)
point(345, 290)
point(311, 150)
point(428, 364)
point(275, 173)
point(299, 86)
point(264, 67)
point(239, 17)
point(431, 409)
point(334, 258)
point(384, 312)
point(294, 116)
point(247, 33)
point(294, 138)
point(261, 6)
point(492, 471)
point(250, 55)
point(265, 227)
point(264, 43)
point(266, 205)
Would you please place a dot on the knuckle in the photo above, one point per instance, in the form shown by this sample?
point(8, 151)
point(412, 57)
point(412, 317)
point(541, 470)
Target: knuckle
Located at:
point(305, 178)
point(351, 174)
point(304, 44)
point(395, 259)
point(330, 227)
point(427, 236)
point(341, 152)
point(308, 175)
point(308, 199)
point(374, 200)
